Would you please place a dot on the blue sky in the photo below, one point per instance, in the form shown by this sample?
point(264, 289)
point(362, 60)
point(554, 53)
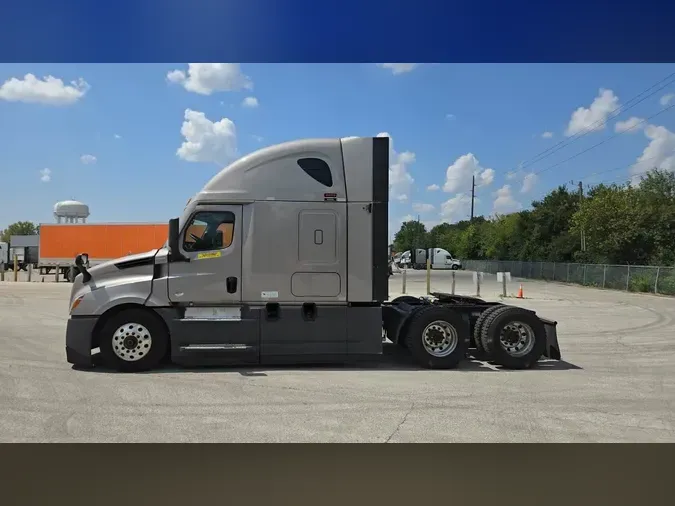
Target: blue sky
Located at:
point(446, 121)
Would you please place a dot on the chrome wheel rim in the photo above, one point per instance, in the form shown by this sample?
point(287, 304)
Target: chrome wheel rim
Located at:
point(131, 342)
point(517, 339)
point(439, 339)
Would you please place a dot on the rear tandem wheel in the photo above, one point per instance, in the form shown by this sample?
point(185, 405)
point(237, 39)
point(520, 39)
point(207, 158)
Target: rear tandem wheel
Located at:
point(434, 338)
point(478, 328)
point(513, 337)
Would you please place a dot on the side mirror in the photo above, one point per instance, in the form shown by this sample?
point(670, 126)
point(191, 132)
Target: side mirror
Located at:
point(174, 249)
point(81, 264)
point(82, 260)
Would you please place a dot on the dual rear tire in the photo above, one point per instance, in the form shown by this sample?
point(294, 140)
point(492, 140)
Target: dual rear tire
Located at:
point(509, 336)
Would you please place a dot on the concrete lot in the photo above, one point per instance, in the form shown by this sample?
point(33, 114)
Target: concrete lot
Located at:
point(617, 383)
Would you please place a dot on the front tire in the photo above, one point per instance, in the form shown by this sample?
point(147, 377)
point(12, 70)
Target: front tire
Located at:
point(434, 338)
point(133, 340)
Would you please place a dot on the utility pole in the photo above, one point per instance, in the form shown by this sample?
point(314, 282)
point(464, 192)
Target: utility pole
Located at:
point(473, 194)
point(581, 198)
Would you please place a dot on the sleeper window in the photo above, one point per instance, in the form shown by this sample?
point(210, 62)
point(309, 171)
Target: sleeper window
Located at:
point(318, 170)
point(209, 230)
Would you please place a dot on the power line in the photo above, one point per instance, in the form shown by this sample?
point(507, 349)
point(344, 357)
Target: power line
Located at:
point(591, 128)
point(616, 112)
point(558, 164)
point(588, 176)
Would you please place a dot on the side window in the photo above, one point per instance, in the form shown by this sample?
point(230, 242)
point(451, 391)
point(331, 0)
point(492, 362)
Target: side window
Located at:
point(318, 170)
point(209, 230)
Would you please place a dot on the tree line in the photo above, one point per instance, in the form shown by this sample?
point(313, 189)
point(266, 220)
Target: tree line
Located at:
point(18, 228)
point(621, 224)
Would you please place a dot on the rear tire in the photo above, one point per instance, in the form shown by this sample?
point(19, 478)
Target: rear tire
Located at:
point(133, 340)
point(478, 328)
point(408, 299)
point(434, 338)
point(513, 337)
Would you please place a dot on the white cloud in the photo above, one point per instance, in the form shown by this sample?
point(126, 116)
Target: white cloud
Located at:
point(459, 174)
point(45, 175)
point(659, 153)
point(88, 159)
point(667, 99)
point(207, 141)
point(250, 102)
point(49, 91)
point(529, 181)
point(457, 208)
point(257, 138)
point(423, 208)
point(400, 180)
point(486, 177)
point(595, 116)
point(206, 78)
point(504, 201)
point(450, 116)
point(118, 136)
point(547, 135)
point(399, 68)
point(433, 187)
point(630, 125)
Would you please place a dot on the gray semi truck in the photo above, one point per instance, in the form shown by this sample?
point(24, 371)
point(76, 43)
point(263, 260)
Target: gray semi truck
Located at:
point(283, 258)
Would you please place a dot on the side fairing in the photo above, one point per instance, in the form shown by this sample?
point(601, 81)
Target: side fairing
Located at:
point(366, 162)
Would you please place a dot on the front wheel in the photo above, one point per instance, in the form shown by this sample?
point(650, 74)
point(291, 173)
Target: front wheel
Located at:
point(133, 340)
point(454, 267)
point(434, 340)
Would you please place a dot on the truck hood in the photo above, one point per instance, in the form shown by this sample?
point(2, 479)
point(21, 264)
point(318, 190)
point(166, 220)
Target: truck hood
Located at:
point(139, 259)
point(128, 269)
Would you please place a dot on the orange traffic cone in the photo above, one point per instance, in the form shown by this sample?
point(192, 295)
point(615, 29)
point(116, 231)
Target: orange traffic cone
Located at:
point(520, 292)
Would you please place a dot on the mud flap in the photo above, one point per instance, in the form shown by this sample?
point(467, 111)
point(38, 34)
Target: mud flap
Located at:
point(552, 347)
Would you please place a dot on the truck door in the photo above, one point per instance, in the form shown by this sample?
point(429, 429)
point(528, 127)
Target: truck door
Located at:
point(212, 242)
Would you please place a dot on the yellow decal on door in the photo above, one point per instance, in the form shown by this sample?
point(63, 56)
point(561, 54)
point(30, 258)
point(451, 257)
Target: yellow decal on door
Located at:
point(209, 254)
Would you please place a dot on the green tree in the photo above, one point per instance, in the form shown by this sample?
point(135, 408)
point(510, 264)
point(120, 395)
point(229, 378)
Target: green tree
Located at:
point(656, 200)
point(435, 234)
point(621, 223)
point(413, 234)
point(18, 228)
point(612, 223)
point(500, 237)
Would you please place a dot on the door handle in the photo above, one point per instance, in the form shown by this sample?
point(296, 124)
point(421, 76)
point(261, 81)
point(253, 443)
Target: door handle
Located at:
point(231, 284)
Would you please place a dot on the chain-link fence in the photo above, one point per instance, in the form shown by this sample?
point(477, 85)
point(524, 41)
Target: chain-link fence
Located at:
point(634, 278)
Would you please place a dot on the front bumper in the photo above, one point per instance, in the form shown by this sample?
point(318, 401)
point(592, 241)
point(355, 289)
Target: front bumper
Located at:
point(79, 332)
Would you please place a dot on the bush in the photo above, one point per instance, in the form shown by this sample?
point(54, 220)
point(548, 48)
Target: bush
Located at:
point(641, 283)
point(666, 285)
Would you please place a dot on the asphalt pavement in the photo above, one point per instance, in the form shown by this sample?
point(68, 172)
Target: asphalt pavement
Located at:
point(616, 383)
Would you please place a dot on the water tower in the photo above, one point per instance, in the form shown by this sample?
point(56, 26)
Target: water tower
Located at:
point(71, 211)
